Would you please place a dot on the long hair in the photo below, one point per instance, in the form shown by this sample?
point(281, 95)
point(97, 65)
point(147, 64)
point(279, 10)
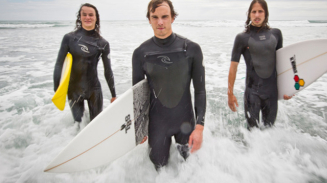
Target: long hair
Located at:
point(153, 4)
point(264, 6)
point(79, 22)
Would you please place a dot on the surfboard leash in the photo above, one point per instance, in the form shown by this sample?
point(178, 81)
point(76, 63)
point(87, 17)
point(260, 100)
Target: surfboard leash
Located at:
point(76, 100)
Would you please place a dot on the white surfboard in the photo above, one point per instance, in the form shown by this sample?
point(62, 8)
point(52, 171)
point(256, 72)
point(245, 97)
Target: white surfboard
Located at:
point(299, 65)
point(113, 133)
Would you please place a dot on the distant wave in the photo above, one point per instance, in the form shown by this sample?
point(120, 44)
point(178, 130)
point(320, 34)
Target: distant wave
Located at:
point(191, 23)
point(211, 23)
point(240, 23)
point(318, 21)
point(30, 24)
point(295, 23)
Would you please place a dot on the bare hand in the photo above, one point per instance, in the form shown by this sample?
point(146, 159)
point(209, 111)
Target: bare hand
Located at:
point(286, 97)
point(232, 102)
point(144, 139)
point(196, 137)
point(113, 99)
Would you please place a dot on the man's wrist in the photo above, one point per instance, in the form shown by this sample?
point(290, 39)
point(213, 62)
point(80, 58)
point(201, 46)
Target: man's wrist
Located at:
point(199, 126)
point(230, 92)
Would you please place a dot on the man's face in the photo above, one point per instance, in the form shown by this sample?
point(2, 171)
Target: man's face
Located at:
point(88, 18)
point(161, 21)
point(257, 15)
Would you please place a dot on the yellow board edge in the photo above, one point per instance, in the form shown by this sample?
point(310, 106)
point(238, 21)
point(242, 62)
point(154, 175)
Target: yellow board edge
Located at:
point(59, 98)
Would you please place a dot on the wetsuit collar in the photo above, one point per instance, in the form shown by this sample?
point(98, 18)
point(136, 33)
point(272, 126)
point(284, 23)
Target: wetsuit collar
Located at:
point(165, 42)
point(88, 33)
point(257, 29)
point(254, 28)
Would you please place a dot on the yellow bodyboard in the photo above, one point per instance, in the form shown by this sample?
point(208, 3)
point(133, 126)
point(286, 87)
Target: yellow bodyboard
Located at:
point(59, 98)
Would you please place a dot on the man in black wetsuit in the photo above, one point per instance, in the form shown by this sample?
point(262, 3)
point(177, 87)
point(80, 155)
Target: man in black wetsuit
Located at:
point(258, 45)
point(86, 46)
point(170, 62)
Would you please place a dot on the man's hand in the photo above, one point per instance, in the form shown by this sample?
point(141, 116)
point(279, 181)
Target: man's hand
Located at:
point(232, 102)
point(144, 139)
point(286, 97)
point(112, 99)
point(195, 139)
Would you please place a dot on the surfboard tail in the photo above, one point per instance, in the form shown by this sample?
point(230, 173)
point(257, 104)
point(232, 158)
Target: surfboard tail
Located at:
point(59, 98)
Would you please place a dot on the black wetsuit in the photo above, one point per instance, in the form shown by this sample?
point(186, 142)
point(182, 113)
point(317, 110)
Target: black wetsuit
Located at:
point(86, 48)
point(259, 51)
point(169, 65)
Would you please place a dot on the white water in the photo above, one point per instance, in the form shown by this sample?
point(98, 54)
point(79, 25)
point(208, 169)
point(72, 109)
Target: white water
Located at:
point(33, 131)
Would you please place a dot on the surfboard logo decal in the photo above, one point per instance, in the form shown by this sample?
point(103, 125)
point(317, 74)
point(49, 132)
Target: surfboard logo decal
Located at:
point(298, 81)
point(127, 124)
point(84, 48)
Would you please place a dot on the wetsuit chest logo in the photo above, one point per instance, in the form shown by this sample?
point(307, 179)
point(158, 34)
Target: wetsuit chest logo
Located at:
point(263, 37)
point(84, 48)
point(165, 59)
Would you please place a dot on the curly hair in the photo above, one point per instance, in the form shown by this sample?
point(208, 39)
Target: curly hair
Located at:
point(79, 22)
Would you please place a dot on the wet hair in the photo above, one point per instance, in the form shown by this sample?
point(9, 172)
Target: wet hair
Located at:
point(264, 6)
point(153, 4)
point(79, 22)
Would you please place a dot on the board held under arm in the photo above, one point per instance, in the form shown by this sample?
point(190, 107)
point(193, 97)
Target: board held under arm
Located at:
point(300, 64)
point(59, 98)
point(114, 132)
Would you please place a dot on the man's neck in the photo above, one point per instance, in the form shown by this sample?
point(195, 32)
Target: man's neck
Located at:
point(166, 40)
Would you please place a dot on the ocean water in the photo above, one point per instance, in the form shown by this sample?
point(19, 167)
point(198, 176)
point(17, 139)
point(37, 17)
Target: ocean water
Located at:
point(33, 131)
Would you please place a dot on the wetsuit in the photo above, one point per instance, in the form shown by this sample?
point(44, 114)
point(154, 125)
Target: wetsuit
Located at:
point(86, 48)
point(169, 65)
point(259, 51)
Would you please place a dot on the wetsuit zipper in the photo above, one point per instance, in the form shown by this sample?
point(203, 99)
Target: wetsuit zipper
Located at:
point(164, 52)
point(91, 44)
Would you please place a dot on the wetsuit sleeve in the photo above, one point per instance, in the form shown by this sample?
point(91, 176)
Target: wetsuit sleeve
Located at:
point(280, 39)
point(237, 49)
point(138, 72)
point(107, 69)
point(198, 77)
point(64, 49)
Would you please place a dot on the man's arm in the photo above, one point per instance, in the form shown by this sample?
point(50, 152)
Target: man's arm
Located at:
point(236, 55)
point(280, 40)
point(138, 72)
point(137, 69)
point(232, 101)
point(198, 76)
point(108, 71)
point(60, 61)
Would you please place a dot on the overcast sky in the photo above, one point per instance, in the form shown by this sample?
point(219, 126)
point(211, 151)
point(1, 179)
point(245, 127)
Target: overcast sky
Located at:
point(136, 9)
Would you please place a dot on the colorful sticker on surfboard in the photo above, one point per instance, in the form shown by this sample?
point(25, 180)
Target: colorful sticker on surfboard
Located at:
point(299, 82)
